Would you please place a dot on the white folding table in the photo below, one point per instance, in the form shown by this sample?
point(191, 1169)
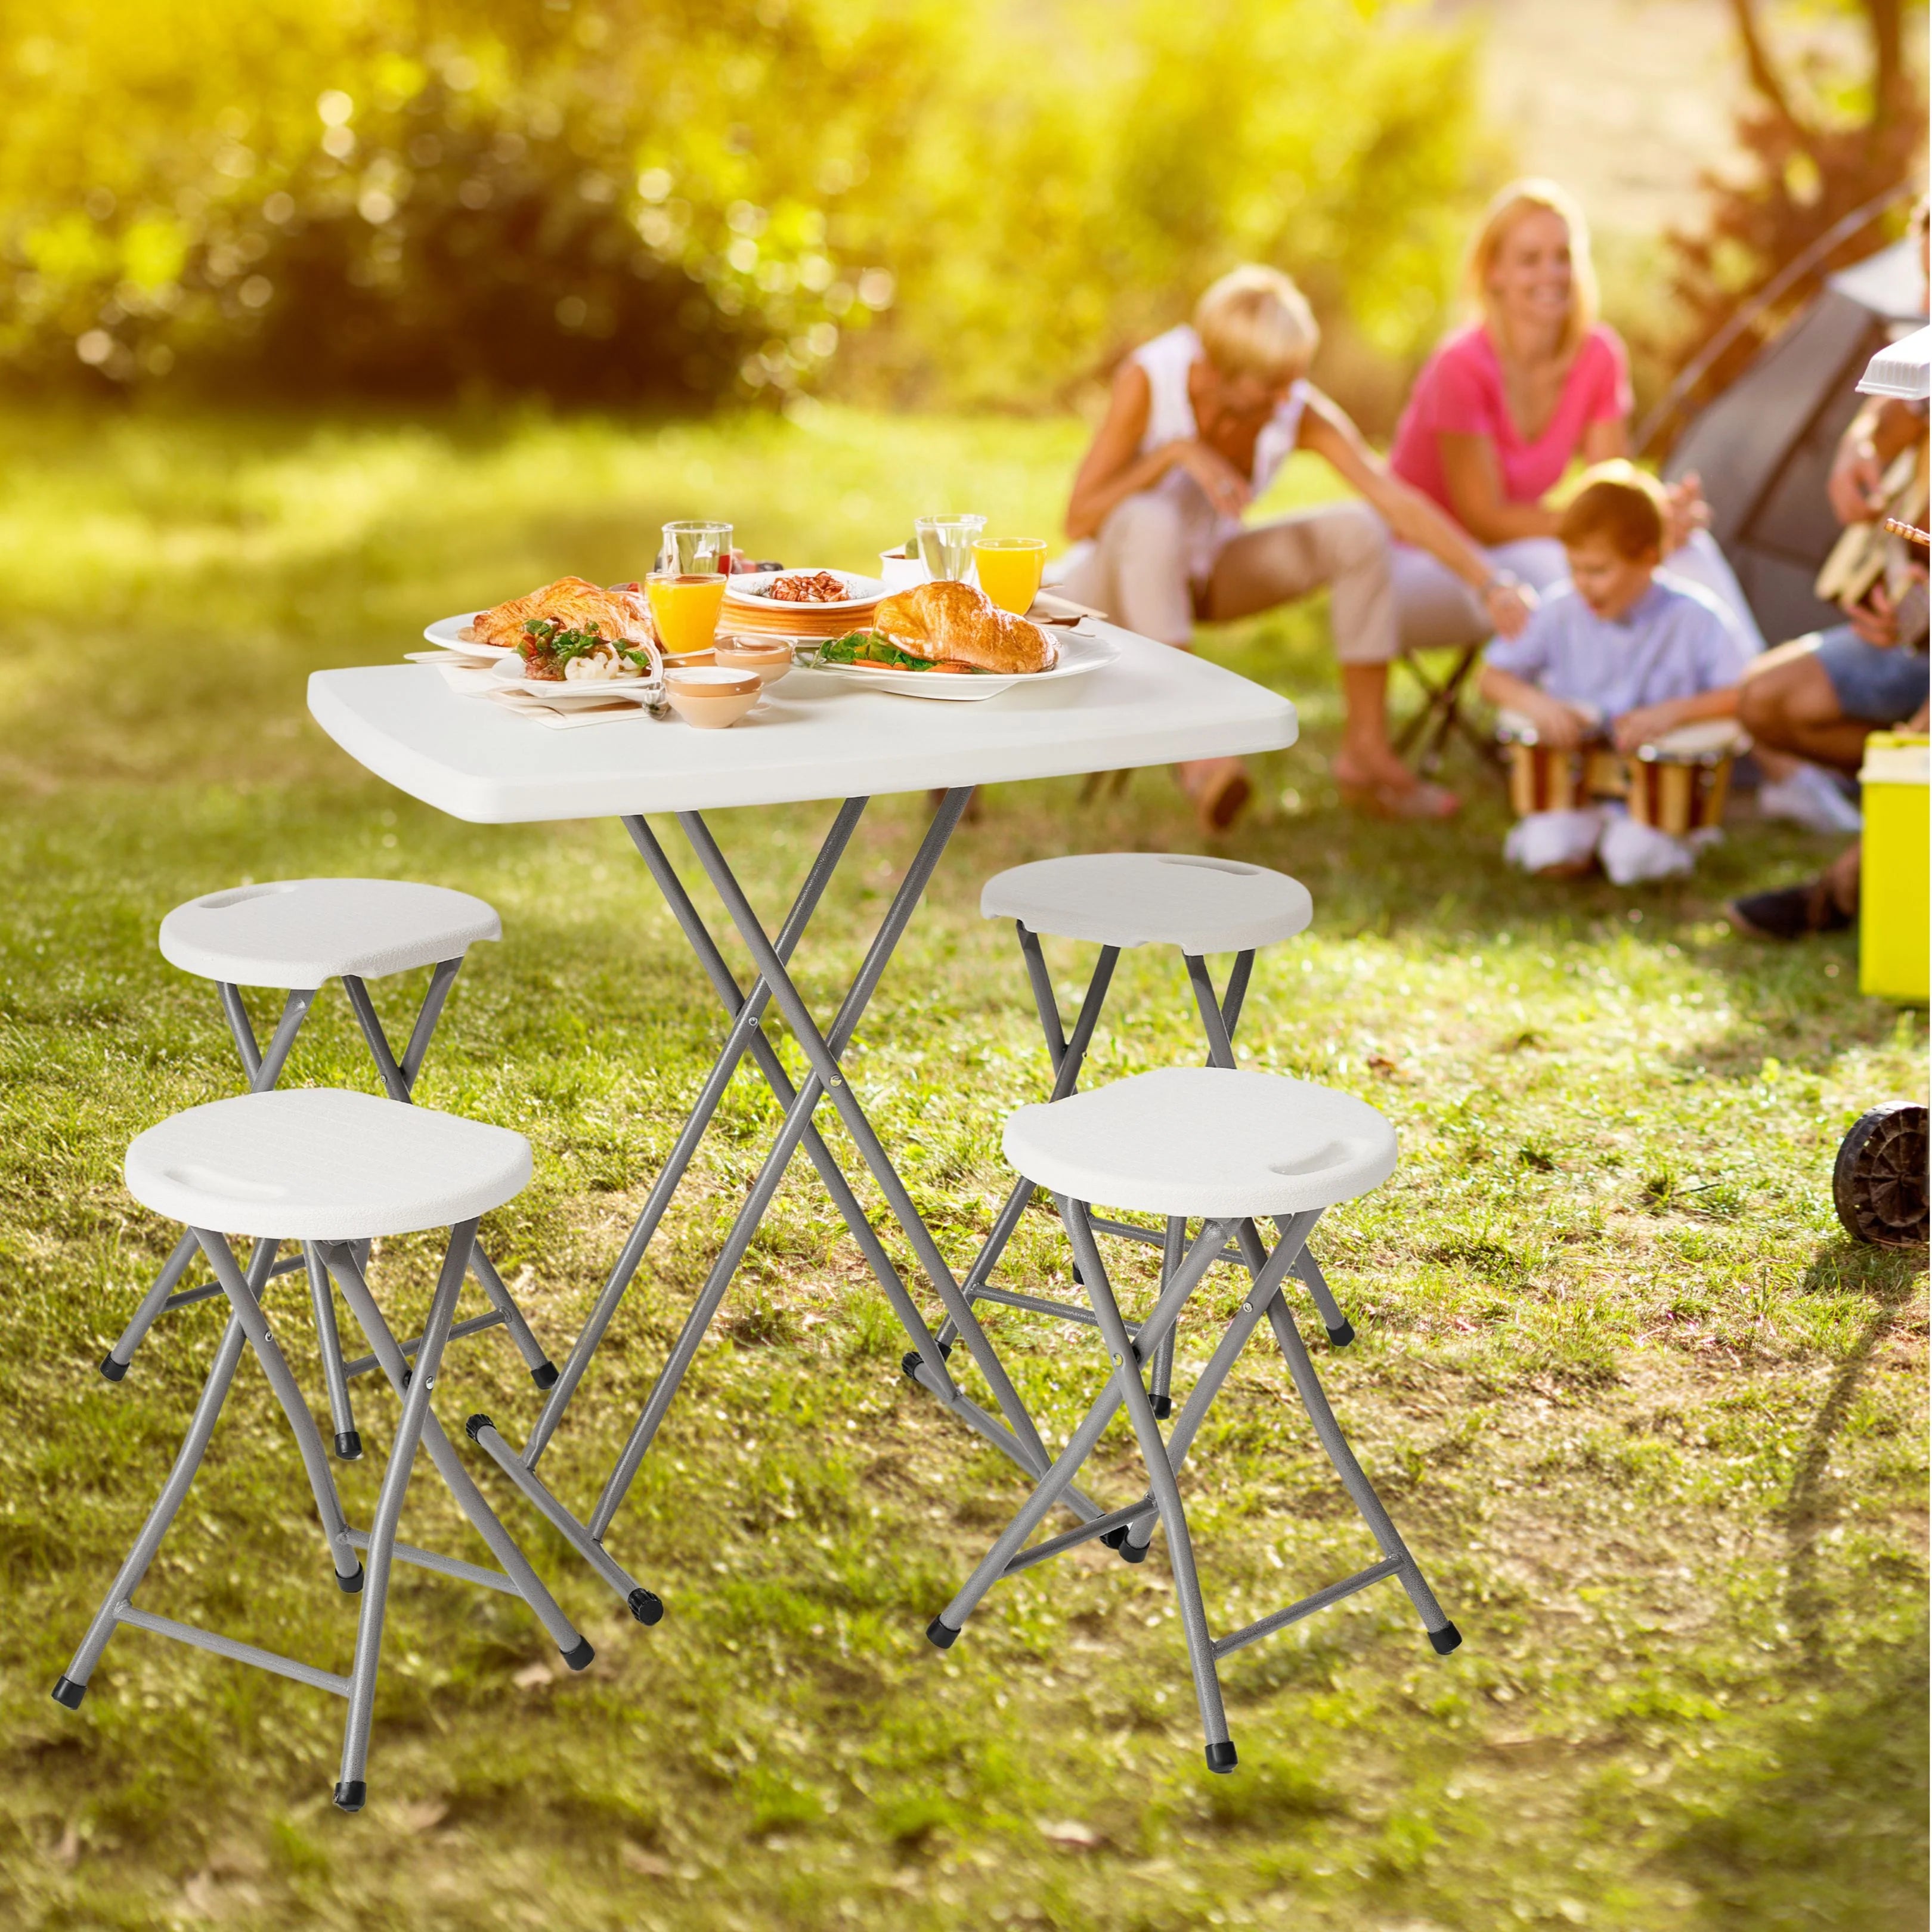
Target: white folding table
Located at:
point(813, 739)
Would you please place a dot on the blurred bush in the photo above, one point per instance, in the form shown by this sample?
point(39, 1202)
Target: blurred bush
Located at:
point(618, 199)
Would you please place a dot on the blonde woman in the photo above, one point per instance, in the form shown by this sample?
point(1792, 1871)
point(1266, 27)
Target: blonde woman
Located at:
point(1201, 420)
point(1505, 406)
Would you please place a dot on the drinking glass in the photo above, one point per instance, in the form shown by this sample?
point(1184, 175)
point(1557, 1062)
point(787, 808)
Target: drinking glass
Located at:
point(685, 604)
point(946, 543)
point(1009, 568)
point(695, 548)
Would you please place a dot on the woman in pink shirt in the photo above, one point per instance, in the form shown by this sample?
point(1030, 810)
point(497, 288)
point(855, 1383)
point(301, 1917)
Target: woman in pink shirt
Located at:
point(1505, 406)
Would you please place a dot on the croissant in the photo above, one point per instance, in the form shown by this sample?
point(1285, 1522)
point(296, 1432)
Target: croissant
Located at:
point(575, 603)
point(952, 623)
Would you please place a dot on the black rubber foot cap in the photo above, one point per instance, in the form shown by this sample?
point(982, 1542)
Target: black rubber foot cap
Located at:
point(1133, 1552)
point(1444, 1641)
point(544, 1375)
point(351, 1797)
point(68, 1692)
point(946, 1351)
point(645, 1607)
point(475, 1426)
point(1163, 1407)
point(1342, 1336)
point(579, 1658)
point(112, 1369)
point(941, 1634)
point(909, 1361)
point(1221, 1758)
point(349, 1445)
point(1079, 1279)
point(352, 1586)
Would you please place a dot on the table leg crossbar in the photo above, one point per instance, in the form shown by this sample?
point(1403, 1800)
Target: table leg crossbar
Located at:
point(1067, 1054)
point(417, 1428)
point(1129, 1529)
point(263, 1066)
point(1010, 1429)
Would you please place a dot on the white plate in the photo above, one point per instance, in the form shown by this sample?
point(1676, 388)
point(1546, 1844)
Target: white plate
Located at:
point(639, 690)
point(447, 632)
point(1080, 652)
point(750, 587)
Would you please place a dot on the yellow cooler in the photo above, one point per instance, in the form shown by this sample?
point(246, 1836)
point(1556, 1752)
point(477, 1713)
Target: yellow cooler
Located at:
point(1893, 911)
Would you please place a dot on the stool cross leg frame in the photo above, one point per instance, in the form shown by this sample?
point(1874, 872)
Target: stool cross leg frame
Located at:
point(417, 1428)
point(263, 1066)
point(1066, 1053)
point(1130, 1350)
point(1012, 1429)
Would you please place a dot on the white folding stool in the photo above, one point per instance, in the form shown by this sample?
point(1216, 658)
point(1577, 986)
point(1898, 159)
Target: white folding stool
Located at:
point(332, 1169)
point(1119, 899)
point(1222, 1146)
point(297, 934)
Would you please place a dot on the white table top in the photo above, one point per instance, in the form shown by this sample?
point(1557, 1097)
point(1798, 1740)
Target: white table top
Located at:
point(476, 760)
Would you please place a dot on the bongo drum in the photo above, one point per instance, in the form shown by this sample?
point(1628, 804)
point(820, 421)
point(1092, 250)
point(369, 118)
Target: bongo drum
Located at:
point(1679, 785)
point(1547, 778)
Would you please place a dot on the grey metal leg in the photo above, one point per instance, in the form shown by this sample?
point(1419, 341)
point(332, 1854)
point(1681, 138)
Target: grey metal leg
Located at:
point(348, 1442)
point(823, 1057)
point(748, 1011)
point(72, 1686)
point(350, 1789)
point(1167, 1492)
point(1174, 1245)
point(1067, 1056)
point(264, 1068)
point(301, 1423)
point(1443, 1635)
point(399, 1079)
point(449, 1465)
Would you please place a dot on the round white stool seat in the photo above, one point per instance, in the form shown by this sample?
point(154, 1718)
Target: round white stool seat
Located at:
point(320, 1164)
point(1207, 1141)
point(301, 933)
point(1151, 898)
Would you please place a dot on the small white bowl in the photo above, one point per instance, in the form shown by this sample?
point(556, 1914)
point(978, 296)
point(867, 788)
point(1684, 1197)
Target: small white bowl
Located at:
point(708, 697)
point(767, 659)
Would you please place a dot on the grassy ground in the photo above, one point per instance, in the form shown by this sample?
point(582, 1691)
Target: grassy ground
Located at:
point(1656, 1428)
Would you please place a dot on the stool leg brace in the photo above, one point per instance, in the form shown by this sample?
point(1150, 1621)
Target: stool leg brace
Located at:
point(1130, 1350)
point(1219, 1014)
point(418, 1428)
point(264, 1068)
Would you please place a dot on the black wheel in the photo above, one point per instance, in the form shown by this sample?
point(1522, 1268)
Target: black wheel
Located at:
point(1878, 1186)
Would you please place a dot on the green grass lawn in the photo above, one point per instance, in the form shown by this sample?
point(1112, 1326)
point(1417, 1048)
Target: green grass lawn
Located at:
point(1655, 1426)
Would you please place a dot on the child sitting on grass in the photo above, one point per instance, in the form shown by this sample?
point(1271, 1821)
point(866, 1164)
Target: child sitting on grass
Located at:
point(1620, 649)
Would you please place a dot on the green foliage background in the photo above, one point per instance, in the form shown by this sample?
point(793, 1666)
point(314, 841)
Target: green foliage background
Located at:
point(615, 199)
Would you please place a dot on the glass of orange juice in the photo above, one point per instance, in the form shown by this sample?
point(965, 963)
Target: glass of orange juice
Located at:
point(685, 604)
point(1009, 568)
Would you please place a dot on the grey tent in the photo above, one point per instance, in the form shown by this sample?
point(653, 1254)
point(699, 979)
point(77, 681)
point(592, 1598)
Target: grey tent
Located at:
point(1764, 446)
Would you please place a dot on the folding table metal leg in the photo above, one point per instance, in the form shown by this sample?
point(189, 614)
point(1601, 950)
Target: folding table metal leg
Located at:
point(824, 1063)
point(746, 1011)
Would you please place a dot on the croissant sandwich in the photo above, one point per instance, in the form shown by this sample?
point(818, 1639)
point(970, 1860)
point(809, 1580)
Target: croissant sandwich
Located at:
point(949, 624)
point(571, 603)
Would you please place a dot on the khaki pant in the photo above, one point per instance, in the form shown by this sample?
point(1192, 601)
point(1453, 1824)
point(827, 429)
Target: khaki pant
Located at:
point(1137, 573)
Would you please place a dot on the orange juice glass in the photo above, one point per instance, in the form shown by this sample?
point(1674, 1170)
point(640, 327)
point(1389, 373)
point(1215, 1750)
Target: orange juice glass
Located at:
point(685, 606)
point(1009, 568)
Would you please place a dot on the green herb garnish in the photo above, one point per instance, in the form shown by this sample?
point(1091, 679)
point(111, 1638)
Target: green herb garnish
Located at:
point(547, 641)
point(866, 645)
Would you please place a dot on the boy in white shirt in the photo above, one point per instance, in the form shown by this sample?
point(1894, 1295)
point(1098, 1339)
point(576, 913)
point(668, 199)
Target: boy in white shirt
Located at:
point(1621, 647)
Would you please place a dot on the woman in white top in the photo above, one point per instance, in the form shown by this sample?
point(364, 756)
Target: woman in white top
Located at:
point(1201, 420)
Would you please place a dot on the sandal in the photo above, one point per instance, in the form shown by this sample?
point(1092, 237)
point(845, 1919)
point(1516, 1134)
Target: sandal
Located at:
point(1219, 788)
